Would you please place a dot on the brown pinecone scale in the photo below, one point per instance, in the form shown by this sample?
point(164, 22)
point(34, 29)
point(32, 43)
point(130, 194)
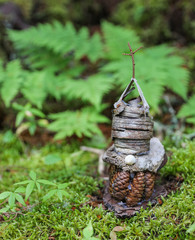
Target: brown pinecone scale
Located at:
point(149, 184)
point(133, 188)
point(119, 184)
point(136, 190)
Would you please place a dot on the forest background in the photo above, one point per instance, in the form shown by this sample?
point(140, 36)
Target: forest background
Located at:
point(61, 70)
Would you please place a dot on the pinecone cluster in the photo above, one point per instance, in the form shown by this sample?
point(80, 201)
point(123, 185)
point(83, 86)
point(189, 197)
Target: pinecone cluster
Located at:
point(119, 185)
point(122, 186)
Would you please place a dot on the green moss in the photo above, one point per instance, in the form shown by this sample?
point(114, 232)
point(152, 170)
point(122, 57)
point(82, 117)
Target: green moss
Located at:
point(67, 220)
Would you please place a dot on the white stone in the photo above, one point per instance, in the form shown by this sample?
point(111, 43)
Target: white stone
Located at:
point(130, 160)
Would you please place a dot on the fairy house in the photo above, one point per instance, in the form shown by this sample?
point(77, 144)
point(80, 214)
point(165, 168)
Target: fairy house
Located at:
point(135, 155)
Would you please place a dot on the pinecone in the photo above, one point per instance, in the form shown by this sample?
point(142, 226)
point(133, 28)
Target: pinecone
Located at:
point(149, 184)
point(136, 189)
point(119, 185)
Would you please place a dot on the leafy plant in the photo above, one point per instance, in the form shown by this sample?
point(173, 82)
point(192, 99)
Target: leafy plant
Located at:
point(157, 67)
point(58, 191)
point(28, 113)
point(12, 198)
point(78, 71)
point(81, 122)
point(33, 184)
point(11, 78)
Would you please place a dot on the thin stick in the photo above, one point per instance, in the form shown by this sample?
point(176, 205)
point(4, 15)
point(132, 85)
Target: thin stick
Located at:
point(132, 55)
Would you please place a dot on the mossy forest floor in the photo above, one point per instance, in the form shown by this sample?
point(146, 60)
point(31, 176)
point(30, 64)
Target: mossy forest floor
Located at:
point(171, 218)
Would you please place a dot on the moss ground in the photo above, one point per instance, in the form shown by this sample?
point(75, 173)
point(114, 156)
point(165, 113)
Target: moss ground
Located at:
point(66, 220)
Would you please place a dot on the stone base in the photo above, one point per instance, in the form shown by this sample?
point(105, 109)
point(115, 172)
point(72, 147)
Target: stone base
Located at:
point(123, 211)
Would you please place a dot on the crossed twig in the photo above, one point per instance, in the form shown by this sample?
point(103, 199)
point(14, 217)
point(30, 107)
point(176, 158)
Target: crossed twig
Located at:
point(119, 105)
point(132, 55)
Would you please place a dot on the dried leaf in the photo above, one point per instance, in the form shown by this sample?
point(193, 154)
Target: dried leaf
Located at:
point(118, 229)
point(114, 230)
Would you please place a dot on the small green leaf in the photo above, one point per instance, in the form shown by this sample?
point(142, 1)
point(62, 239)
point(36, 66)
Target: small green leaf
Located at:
point(46, 182)
point(23, 182)
point(65, 193)
point(88, 231)
point(52, 158)
point(11, 200)
point(33, 175)
point(59, 194)
point(49, 194)
point(4, 195)
point(20, 190)
point(63, 185)
point(17, 106)
point(191, 229)
point(37, 112)
point(20, 199)
point(19, 118)
point(29, 189)
point(5, 209)
point(38, 187)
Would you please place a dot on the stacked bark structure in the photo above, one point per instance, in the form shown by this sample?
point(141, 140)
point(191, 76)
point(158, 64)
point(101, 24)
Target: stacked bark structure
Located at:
point(135, 156)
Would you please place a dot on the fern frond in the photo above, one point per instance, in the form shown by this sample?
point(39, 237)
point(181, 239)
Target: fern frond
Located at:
point(91, 90)
point(12, 79)
point(80, 123)
point(116, 39)
point(59, 39)
point(156, 67)
point(188, 110)
point(34, 88)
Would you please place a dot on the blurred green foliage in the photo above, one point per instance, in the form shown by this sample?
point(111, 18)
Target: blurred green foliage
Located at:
point(58, 62)
point(159, 20)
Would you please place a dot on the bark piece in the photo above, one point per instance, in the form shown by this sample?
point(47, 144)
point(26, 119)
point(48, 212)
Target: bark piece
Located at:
point(131, 134)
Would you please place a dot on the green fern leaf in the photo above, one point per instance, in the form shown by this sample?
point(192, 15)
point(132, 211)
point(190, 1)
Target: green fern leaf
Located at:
point(156, 67)
point(116, 39)
point(79, 123)
point(34, 88)
point(12, 79)
point(188, 110)
point(95, 48)
point(91, 90)
point(59, 39)
point(82, 38)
